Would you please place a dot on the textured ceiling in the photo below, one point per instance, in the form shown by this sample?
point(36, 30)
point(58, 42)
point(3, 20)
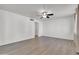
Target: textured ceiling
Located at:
point(32, 10)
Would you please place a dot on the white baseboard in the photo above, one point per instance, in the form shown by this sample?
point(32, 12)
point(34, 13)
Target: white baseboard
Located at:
point(59, 38)
point(21, 39)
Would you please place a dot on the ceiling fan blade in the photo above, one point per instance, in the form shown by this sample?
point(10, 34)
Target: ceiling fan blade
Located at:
point(48, 17)
point(50, 14)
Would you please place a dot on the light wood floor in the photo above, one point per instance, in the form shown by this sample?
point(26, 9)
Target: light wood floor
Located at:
point(40, 46)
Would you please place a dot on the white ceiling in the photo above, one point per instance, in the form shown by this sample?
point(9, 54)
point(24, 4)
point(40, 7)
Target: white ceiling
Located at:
point(32, 10)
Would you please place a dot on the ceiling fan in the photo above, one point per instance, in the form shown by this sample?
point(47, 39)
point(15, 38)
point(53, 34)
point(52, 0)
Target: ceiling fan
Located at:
point(45, 13)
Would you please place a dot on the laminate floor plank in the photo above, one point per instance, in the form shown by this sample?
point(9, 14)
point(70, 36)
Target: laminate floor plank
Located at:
point(40, 46)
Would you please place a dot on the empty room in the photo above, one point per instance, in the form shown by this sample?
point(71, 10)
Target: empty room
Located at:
point(39, 29)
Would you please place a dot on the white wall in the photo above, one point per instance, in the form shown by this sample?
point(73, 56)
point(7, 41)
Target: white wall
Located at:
point(75, 25)
point(14, 27)
point(39, 26)
point(40, 33)
point(59, 28)
point(2, 29)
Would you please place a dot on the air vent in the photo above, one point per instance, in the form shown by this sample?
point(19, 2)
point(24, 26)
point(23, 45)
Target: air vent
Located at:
point(31, 19)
